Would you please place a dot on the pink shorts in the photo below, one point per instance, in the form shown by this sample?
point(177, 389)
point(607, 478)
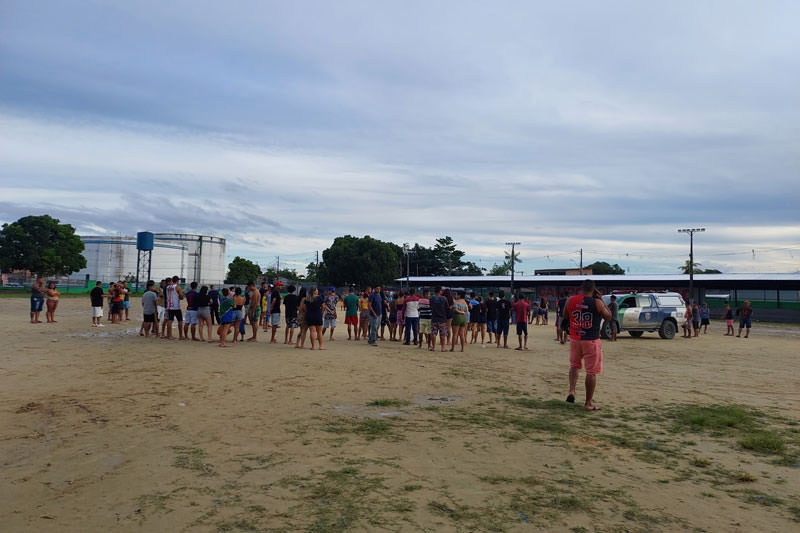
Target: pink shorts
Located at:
point(589, 353)
point(729, 322)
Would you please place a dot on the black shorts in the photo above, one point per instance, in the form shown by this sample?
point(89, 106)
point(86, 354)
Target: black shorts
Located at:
point(150, 318)
point(174, 314)
point(116, 308)
point(704, 322)
point(522, 328)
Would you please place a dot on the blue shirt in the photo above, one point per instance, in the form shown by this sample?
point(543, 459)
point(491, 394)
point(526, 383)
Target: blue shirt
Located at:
point(376, 304)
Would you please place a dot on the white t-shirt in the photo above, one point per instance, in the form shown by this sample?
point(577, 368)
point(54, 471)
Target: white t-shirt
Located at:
point(412, 308)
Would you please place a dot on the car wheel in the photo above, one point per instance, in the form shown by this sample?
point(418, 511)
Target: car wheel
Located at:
point(636, 334)
point(667, 329)
point(605, 330)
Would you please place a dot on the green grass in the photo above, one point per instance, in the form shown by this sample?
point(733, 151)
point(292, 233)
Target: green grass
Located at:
point(714, 418)
point(767, 442)
point(193, 459)
point(388, 402)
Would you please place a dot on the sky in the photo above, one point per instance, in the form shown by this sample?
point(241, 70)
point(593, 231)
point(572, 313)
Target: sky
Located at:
point(601, 126)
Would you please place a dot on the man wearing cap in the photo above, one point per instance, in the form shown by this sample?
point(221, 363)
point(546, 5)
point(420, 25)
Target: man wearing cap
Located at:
point(329, 311)
point(275, 309)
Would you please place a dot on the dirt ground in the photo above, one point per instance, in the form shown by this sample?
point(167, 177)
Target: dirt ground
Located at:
point(105, 431)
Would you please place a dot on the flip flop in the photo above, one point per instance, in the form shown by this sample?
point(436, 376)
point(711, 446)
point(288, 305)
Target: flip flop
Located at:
point(592, 408)
point(570, 399)
point(518, 349)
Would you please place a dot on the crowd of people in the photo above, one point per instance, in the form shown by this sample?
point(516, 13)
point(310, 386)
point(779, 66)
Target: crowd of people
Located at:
point(423, 319)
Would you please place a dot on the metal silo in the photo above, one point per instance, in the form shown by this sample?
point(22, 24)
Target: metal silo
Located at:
point(204, 256)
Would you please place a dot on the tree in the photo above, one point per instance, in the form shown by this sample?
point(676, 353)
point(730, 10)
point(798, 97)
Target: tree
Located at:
point(500, 270)
point(286, 273)
point(242, 270)
point(42, 245)
point(361, 261)
point(697, 269)
point(516, 259)
point(449, 259)
point(601, 267)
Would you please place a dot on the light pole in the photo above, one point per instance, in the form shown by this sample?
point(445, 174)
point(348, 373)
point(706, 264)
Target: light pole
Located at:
point(691, 232)
point(512, 244)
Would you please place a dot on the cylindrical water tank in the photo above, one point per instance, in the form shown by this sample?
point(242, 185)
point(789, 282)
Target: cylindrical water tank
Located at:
point(144, 240)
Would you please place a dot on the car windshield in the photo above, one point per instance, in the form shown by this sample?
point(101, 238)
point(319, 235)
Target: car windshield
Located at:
point(670, 301)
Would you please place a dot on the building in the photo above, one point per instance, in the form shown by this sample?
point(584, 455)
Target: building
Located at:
point(563, 272)
point(774, 296)
point(198, 258)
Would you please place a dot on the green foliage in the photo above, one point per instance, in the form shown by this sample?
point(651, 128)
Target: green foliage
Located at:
point(500, 270)
point(685, 268)
point(42, 245)
point(601, 267)
point(360, 261)
point(242, 270)
point(713, 417)
point(450, 259)
point(763, 442)
point(287, 273)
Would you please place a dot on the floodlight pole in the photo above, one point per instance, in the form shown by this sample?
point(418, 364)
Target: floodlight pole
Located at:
point(512, 244)
point(691, 232)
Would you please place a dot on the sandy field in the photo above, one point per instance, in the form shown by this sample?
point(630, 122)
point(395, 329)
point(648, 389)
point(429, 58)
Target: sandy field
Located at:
point(105, 431)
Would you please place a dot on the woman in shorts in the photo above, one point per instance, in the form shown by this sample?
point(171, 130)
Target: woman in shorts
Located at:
point(314, 317)
point(52, 301)
point(226, 315)
point(459, 321)
point(301, 318)
point(728, 317)
point(363, 315)
point(203, 303)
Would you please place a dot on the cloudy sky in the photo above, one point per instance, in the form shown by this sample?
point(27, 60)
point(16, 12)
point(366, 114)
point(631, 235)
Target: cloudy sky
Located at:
point(281, 125)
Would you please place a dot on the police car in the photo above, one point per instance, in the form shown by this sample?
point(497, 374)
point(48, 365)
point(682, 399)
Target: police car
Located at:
point(647, 311)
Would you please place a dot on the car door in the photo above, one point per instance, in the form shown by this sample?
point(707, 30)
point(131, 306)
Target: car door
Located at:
point(628, 312)
point(648, 312)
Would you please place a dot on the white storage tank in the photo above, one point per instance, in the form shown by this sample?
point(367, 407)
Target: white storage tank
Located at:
point(114, 258)
point(198, 258)
point(205, 256)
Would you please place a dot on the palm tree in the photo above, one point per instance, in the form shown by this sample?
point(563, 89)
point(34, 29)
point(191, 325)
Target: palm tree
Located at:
point(694, 268)
point(516, 258)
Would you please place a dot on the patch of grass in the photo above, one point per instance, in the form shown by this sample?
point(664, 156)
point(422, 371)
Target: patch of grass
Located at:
point(754, 496)
point(388, 402)
point(786, 460)
point(715, 418)
point(411, 488)
point(767, 442)
point(700, 462)
point(193, 459)
point(370, 428)
point(743, 477)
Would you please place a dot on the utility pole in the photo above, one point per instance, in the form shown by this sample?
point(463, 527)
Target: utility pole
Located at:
point(581, 266)
point(278, 269)
point(408, 252)
point(512, 244)
point(691, 232)
point(316, 269)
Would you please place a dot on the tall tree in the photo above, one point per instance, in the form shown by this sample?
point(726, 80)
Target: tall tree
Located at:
point(242, 270)
point(450, 259)
point(287, 273)
point(361, 261)
point(697, 269)
point(601, 267)
point(42, 245)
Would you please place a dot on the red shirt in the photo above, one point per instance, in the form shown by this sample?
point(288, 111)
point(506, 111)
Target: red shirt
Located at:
point(521, 309)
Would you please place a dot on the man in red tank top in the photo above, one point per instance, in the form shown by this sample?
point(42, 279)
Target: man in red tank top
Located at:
point(585, 311)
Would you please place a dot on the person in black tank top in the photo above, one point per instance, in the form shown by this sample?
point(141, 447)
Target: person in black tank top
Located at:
point(585, 312)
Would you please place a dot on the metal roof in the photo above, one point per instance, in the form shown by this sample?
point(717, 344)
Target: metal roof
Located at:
point(758, 281)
